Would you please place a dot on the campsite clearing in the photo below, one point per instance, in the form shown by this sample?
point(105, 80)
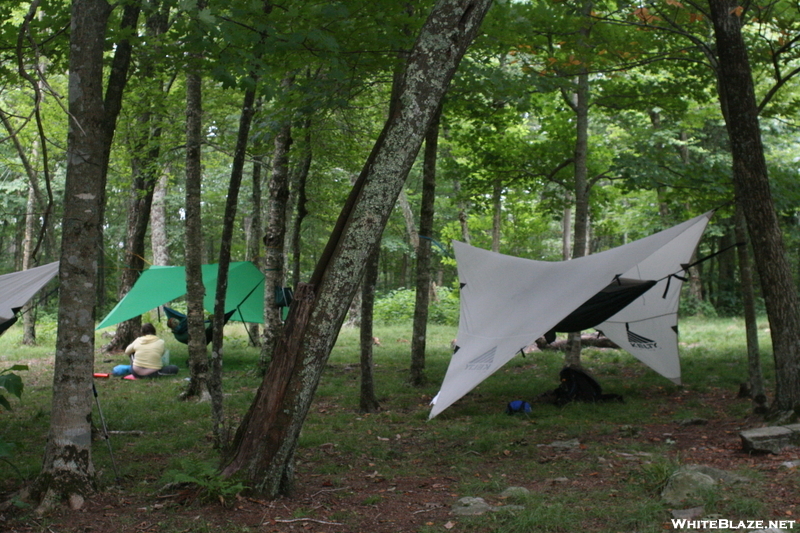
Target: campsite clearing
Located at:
point(395, 471)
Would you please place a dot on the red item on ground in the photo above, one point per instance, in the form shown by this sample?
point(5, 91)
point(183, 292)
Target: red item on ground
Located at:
point(101, 375)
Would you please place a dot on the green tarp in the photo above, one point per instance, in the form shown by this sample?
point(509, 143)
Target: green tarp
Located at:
point(159, 285)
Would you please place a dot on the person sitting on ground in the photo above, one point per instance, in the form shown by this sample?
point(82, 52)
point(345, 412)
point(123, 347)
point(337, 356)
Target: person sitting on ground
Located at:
point(146, 353)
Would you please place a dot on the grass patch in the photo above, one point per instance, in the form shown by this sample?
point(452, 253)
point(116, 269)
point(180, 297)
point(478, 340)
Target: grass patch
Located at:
point(366, 464)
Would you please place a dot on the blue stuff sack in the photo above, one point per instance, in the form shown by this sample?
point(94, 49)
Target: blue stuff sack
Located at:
point(518, 406)
point(121, 370)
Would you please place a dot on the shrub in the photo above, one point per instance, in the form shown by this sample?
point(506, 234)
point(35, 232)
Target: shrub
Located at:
point(11, 382)
point(398, 307)
point(205, 478)
point(690, 305)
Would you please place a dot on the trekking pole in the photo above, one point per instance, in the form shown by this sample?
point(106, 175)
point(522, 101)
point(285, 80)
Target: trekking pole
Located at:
point(105, 432)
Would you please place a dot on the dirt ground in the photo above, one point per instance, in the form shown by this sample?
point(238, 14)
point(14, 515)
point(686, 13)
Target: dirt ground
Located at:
point(409, 504)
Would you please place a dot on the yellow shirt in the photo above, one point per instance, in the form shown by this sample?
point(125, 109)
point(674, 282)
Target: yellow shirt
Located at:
point(147, 352)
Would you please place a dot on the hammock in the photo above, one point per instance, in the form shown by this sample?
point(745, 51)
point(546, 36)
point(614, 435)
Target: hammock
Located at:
point(176, 321)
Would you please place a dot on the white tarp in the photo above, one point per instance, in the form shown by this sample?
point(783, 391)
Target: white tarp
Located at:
point(648, 327)
point(17, 288)
point(509, 302)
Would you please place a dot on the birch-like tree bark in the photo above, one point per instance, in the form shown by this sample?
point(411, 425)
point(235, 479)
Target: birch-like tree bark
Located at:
point(275, 240)
point(254, 229)
point(67, 470)
point(159, 237)
point(28, 322)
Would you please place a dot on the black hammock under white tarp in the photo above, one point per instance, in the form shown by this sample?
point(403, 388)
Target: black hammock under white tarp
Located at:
point(630, 293)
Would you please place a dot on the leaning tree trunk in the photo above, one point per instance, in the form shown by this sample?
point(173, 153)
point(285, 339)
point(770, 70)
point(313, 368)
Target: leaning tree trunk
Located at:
point(738, 102)
point(67, 469)
point(423, 288)
point(267, 437)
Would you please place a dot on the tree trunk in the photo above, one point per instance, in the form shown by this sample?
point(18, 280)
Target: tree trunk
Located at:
point(581, 108)
point(267, 438)
point(67, 469)
point(158, 24)
point(737, 98)
point(301, 211)
point(159, 238)
point(145, 153)
point(140, 201)
point(755, 381)
point(275, 239)
point(726, 266)
point(497, 213)
point(117, 80)
point(566, 233)
point(463, 217)
point(408, 217)
point(423, 285)
point(367, 401)
point(28, 322)
point(223, 267)
point(254, 231)
point(195, 291)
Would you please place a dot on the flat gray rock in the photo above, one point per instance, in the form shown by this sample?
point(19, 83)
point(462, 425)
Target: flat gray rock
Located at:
point(770, 439)
point(795, 436)
point(469, 506)
point(684, 486)
point(515, 492)
point(716, 474)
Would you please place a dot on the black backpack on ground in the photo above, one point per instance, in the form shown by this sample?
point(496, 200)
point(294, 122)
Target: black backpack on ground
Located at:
point(578, 386)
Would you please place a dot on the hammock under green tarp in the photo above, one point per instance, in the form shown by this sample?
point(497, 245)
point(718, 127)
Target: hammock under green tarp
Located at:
point(159, 285)
point(179, 325)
